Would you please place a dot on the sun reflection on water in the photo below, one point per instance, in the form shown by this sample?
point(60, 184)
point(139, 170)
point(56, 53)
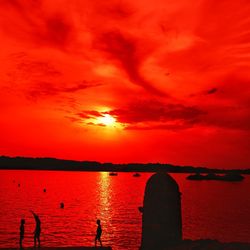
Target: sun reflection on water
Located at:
point(104, 208)
point(104, 191)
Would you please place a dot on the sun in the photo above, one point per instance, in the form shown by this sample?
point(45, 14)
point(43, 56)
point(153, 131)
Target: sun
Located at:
point(107, 120)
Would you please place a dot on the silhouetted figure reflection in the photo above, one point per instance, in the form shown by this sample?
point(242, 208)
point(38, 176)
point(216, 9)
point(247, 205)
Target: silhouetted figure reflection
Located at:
point(37, 229)
point(98, 233)
point(21, 233)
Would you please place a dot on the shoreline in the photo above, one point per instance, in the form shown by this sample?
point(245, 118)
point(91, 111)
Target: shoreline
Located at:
point(28, 163)
point(55, 248)
point(108, 170)
point(186, 244)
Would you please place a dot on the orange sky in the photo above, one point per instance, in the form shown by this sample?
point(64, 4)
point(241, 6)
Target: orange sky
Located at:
point(173, 75)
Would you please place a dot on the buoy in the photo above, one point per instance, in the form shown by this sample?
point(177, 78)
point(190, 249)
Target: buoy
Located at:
point(61, 205)
point(44, 190)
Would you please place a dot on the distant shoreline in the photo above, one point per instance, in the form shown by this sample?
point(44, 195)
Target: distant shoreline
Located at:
point(53, 164)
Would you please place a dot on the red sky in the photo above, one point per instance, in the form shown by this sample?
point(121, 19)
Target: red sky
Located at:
point(173, 74)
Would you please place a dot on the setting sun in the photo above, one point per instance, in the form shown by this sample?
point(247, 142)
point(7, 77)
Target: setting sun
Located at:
point(107, 120)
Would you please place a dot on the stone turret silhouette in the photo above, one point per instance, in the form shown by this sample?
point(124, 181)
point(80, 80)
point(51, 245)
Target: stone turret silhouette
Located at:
point(161, 219)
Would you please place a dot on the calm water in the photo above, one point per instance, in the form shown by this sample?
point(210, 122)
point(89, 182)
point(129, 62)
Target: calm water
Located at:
point(216, 210)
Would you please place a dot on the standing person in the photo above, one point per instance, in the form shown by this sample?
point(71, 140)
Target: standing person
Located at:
point(37, 229)
point(21, 233)
point(98, 232)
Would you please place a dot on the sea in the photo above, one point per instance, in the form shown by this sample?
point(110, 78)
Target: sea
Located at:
point(210, 209)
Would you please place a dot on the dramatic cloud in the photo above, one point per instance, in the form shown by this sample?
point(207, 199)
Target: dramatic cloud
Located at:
point(90, 114)
point(155, 111)
point(36, 68)
point(212, 91)
point(173, 74)
point(124, 51)
point(150, 115)
point(47, 89)
point(31, 21)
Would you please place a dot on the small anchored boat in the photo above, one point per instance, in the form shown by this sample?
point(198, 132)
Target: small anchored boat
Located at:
point(212, 176)
point(113, 174)
point(136, 175)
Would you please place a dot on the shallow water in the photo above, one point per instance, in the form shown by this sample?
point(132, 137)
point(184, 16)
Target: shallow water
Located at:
point(216, 210)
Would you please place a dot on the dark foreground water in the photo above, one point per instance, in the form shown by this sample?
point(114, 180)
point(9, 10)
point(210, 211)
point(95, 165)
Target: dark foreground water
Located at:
point(215, 210)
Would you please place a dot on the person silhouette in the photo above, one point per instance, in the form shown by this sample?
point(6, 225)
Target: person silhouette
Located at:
point(98, 233)
point(37, 229)
point(21, 233)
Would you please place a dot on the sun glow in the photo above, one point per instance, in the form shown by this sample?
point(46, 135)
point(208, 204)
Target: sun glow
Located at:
point(107, 120)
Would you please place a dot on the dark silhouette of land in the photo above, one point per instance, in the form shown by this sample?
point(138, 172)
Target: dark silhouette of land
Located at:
point(26, 163)
point(216, 177)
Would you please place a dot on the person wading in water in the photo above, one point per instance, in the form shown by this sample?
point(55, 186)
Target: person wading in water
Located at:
point(98, 232)
point(21, 233)
point(37, 229)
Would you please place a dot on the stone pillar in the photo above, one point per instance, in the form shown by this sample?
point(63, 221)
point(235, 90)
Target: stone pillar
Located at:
point(161, 219)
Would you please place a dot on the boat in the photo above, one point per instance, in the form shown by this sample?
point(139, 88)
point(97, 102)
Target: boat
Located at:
point(113, 174)
point(136, 175)
point(233, 177)
point(212, 176)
